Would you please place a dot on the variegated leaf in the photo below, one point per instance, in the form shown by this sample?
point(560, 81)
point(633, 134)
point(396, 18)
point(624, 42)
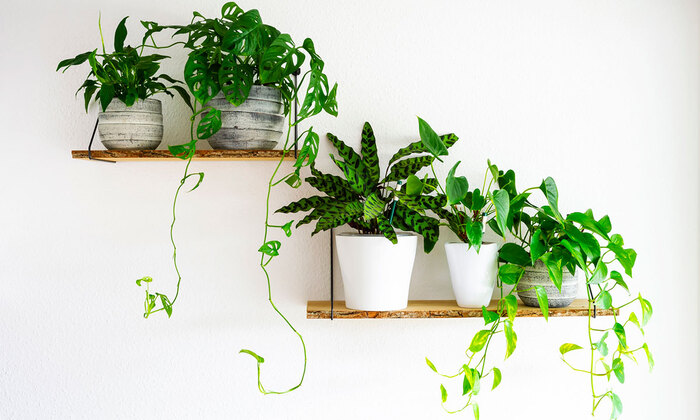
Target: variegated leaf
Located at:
point(347, 153)
point(369, 154)
point(427, 227)
point(386, 229)
point(306, 204)
point(402, 169)
point(374, 206)
point(353, 174)
point(418, 147)
point(332, 185)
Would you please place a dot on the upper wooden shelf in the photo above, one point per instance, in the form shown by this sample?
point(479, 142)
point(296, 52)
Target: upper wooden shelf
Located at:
point(165, 155)
point(440, 309)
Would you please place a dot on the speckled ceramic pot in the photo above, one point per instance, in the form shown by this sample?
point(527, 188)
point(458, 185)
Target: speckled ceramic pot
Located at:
point(538, 276)
point(257, 123)
point(135, 127)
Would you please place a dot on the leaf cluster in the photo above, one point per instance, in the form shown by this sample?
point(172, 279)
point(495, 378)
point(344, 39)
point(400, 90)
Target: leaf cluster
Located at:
point(232, 53)
point(365, 200)
point(124, 74)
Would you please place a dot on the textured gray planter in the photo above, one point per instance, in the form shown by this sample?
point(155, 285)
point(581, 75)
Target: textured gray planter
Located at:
point(138, 127)
point(257, 123)
point(538, 276)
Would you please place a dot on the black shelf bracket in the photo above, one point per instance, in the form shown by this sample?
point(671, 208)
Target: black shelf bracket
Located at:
point(94, 130)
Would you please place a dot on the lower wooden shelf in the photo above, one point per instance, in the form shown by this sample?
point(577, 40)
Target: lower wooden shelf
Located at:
point(165, 155)
point(439, 309)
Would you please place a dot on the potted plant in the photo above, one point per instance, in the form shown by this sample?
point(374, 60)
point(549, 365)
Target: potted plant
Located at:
point(124, 82)
point(377, 261)
point(244, 69)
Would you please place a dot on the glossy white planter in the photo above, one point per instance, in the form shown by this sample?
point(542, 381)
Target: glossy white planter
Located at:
point(376, 273)
point(473, 275)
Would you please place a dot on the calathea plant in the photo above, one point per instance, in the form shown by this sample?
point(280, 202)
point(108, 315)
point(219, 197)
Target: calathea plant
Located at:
point(242, 42)
point(363, 199)
point(581, 243)
point(125, 74)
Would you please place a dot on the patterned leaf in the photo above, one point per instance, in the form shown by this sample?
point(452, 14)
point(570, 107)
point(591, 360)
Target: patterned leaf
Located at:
point(427, 227)
point(402, 169)
point(332, 185)
point(418, 147)
point(281, 59)
point(201, 81)
point(386, 229)
point(374, 206)
point(314, 215)
point(369, 153)
point(347, 153)
point(352, 174)
point(235, 80)
point(306, 204)
point(352, 210)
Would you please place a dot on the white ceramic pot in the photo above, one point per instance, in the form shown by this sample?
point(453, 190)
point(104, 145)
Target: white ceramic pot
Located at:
point(135, 127)
point(376, 273)
point(473, 274)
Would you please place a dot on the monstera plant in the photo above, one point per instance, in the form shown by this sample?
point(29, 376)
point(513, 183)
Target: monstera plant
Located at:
point(229, 54)
point(366, 201)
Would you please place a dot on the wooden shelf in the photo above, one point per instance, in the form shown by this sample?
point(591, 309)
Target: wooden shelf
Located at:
point(439, 309)
point(165, 155)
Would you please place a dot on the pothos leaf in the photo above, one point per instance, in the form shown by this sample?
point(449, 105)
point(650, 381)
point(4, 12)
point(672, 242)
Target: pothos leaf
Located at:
point(567, 347)
point(511, 337)
point(443, 393)
point(543, 301)
point(489, 316)
point(431, 365)
point(166, 304)
point(496, 377)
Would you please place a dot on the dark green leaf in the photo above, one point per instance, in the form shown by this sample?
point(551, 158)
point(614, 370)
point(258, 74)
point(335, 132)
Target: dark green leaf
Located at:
point(587, 221)
point(209, 124)
point(106, 95)
point(119, 37)
point(537, 247)
point(201, 80)
point(404, 168)
point(475, 232)
point(235, 80)
point(316, 94)
point(418, 147)
point(309, 150)
point(287, 228)
point(374, 206)
point(549, 188)
point(501, 202)
point(627, 257)
point(431, 141)
point(510, 273)
point(456, 187)
point(554, 268)
point(293, 180)
point(513, 253)
point(77, 60)
point(281, 59)
point(369, 155)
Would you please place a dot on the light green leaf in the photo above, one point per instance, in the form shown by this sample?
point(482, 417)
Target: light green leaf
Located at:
point(287, 228)
point(542, 300)
point(619, 331)
point(510, 273)
point(455, 187)
point(600, 274)
point(479, 340)
point(260, 359)
point(602, 346)
point(166, 304)
point(549, 188)
point(511, 307)
point(144, 280)
point(567, 347)
point(604, 300)
point(496, 377)
point(443, 393)
point(431, 365)
point(619, 369)
point(650, 358)
point(616, 404)
point(646, 310)
point(537, 247)
point(270, 248)
point(489, 316)
point(475, 408)
point(414, 186)
point(617, 277)
point(511, 337)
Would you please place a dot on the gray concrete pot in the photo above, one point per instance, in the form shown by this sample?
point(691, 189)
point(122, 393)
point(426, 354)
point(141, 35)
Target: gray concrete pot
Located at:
point(257, 123)
point(137, 127)
point(538, 276)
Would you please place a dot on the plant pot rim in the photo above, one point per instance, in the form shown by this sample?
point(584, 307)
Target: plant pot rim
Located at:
point(373, 235)
point(485, 243)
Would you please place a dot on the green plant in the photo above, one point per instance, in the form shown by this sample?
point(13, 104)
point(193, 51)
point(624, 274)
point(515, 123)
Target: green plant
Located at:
point(125, 74)
point(363, 199)
point(250, 40)
point(580, 242)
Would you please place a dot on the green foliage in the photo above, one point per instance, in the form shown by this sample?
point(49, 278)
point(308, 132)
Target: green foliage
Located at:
point(360, 200)
point(125, 74)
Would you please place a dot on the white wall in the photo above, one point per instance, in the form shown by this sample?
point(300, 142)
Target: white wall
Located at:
point(602, 95)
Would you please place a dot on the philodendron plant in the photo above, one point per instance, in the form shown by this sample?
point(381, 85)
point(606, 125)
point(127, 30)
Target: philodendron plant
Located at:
point(363, 199)
point(229, 54)
point(581, 243)
point(125, 74)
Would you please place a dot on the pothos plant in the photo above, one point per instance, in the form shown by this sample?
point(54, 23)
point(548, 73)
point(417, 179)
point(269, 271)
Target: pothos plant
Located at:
point(465, 213)
point(125, 74)
point(581, 243)
point(363, 199)
point(225, 54)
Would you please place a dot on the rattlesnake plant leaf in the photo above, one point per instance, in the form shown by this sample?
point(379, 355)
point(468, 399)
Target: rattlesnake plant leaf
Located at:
point(235, 80)
point(386, 229)
point(348, 154)
point(417, 147)
point(332, 185)
point(314, 215)
point(427, 227)
point(403, 168)
point(369, 154)
point(353, 174)
point(308, 203)
point(350, 212)
point(373, 207)
point(281, 59)
point(202, 82)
